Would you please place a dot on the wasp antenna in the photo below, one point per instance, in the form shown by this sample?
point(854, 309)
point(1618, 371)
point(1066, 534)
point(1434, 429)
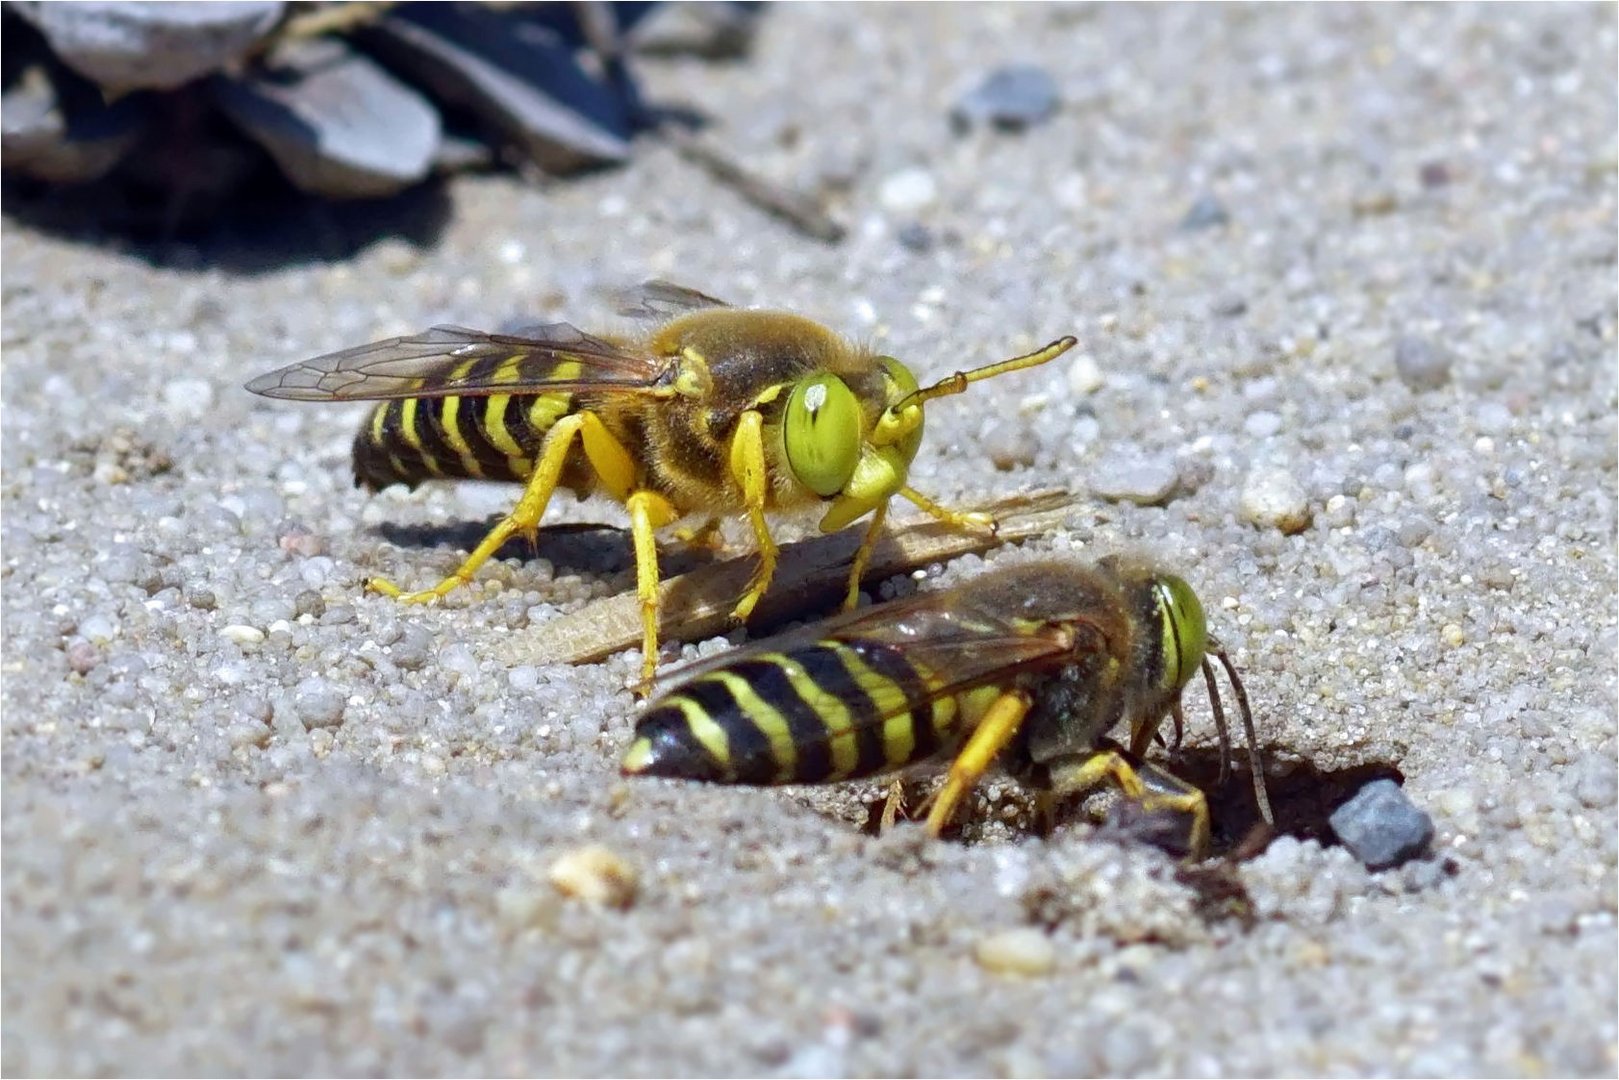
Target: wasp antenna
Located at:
point(957, 383)
point(1261, 796)
point(1219, 721)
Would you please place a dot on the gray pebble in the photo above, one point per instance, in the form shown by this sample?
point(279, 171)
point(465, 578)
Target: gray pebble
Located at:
point(83, 657)
point(1596, 782)
point(38, 139)
point(413, 649)
point(908, 191)
point(1493, 418)
point(1010, 98)
point(380, 142)
point(1206, 212)
point(1421, 364)
point(1381, 826)
point(1262, 424)
point(1273, 498)
point(125, 46)
point(1145, 481)
point(915, 237)
point(320, 704)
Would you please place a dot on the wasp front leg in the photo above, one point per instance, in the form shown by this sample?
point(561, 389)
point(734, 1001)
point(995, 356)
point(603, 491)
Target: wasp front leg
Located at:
point(1147, 786)
point(959, 519)
point(748, 468)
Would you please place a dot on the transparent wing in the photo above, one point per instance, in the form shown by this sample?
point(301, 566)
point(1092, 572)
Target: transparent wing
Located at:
point(663, 300)
point(961, 646)
point(452, 360)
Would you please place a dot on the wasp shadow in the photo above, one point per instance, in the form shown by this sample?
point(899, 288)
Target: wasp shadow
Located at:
point(570, 547)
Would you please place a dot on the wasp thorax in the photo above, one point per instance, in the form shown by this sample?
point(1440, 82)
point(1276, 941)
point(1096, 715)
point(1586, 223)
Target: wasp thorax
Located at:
point(821, 433)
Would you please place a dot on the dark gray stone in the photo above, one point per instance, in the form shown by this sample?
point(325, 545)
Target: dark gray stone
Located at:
point(41, 137)
point(1421, 364)
point(521, 77)
point(1381, 826)
point(1206, 212)
point(336, 122)
point(150, 46)
point(1010, 98)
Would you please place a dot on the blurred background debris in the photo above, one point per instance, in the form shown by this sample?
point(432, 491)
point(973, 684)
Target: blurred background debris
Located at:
point(166, 114)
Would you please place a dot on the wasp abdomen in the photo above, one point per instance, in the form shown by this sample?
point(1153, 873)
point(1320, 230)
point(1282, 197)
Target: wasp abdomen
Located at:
point(827, 711)
point(493, 437)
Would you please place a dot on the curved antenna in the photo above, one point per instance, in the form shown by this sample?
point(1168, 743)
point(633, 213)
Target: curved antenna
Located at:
point(1255, 766)
point(955, 384)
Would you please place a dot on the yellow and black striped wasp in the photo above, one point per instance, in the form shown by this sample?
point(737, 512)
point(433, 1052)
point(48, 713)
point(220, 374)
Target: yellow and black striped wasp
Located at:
point(1034, 664)
point(718, 410)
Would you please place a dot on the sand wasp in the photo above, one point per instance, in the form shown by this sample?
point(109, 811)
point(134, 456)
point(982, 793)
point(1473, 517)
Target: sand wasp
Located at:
point(717, 410)
point(1034, 664)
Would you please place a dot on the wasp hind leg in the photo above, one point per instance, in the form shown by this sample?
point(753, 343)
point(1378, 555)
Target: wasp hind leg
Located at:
point(995, 730)
point(524, 519)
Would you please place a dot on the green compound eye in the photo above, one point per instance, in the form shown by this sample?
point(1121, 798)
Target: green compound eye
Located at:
point(1186, 635)
point(822, 434)
point(902, 383)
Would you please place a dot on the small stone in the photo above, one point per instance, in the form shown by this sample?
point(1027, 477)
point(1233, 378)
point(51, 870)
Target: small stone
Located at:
point(83, 657)
point(1144, 481)
point(1023, 950)
point(189, 397)
point(595, 874)
point(1085, 375)
point(413, 649)
point(1420, 363)
point(1010, 446)
point(1382, 827)
point(1010, 98)
point(908, 192)
point(916, 237)
point(532, 88)
point(99, 629)
point(319, 703)
point(39, 138)
point(1596, 782)
point(380, 141)
point(1434, 174)
point(1262, 424)
point(1273, 499)
point(131, 46)
point(302, 543)
point(242, 634)
point(1206, 212)
point(1494, 418)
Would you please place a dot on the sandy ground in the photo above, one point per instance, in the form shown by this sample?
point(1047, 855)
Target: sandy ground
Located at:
point(322, 844)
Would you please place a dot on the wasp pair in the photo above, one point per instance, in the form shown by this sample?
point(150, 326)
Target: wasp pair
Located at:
point(719, 410)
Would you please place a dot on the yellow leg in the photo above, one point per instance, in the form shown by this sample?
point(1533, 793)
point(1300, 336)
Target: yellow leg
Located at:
point(609, 459)
point(999, 724)
point(956, 518)
point(649, 512)
point(862, 555)
point(1152, 788)
point(748, 468)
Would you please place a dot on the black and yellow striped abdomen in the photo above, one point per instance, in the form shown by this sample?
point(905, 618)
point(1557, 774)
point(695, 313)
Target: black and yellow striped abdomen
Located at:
point(493, 437)
point(830, 710)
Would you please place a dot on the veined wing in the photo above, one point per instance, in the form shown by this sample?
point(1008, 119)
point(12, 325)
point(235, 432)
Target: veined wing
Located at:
point(661, 300)
point(452, 360)
point(956, 647)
